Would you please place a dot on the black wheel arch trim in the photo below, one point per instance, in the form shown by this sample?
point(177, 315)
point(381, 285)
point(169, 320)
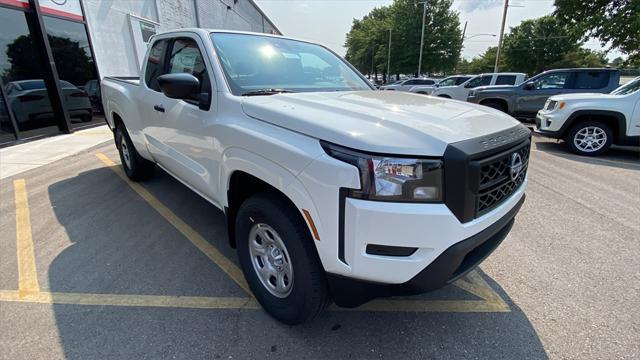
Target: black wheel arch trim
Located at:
point(620, 119)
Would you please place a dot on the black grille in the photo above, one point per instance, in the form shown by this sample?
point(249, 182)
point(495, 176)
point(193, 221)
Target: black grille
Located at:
point(496, 180)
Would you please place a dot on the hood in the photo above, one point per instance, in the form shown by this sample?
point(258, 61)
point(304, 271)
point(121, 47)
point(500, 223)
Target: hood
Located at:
point(582, 96)
point(379, 121)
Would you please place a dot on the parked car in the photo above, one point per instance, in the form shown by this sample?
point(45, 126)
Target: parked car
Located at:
point(327, 185)
point(405, 85)
point(460, 92)
point(523, 101)
point(591, 123)
point(449, 81)
point(29, 101)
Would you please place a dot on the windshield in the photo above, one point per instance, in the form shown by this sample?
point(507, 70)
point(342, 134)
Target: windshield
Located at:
point(252, 63)
point(628, 88)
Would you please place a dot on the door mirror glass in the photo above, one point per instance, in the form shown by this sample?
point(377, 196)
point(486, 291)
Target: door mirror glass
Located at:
point(529, 86)
point(179, 86)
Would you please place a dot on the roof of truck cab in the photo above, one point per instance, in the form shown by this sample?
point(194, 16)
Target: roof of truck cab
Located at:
point(206, 32)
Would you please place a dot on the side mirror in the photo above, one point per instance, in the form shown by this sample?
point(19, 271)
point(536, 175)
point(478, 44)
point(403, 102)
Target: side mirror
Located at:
point(179, 86)
point(529, 86)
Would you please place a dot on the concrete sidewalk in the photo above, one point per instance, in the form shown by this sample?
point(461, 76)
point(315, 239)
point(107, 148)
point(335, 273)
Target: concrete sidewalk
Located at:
point(19, 158)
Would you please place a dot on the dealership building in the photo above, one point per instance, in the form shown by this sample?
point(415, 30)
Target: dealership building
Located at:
point(53, 53)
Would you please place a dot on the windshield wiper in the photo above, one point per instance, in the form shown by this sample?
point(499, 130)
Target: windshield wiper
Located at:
point(266, 92)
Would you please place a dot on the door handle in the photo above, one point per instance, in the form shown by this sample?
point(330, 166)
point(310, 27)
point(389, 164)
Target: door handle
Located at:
point(158, 108)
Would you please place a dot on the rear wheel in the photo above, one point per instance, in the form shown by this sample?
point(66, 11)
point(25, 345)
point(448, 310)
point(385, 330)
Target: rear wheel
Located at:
point(135, 166)
point(279, 259)
point(495, 105)
point(589, 138)
point(445, 96)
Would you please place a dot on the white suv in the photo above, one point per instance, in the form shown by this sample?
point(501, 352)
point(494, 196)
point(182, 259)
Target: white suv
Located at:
point(591, 123)
point(460, 92)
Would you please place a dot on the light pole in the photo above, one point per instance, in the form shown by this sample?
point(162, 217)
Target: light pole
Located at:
point(424, 15)
point(389, 57)
point(476, 35)
point(504, 18)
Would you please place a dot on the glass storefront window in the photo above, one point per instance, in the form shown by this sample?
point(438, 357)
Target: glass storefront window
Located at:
point(7, 133)
point(76, 70)
point(22, 72)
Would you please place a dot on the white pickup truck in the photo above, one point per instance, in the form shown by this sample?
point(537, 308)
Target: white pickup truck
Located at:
point(461, 90)
point(332, 190)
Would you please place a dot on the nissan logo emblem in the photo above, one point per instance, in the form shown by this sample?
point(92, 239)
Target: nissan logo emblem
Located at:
point(516, 166)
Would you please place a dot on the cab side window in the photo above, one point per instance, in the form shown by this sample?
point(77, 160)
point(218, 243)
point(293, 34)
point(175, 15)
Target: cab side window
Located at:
point(479, 81)
point(506, 80)
point(155, 64)
point(591, 80)
point(551, 81)
point(185, 57)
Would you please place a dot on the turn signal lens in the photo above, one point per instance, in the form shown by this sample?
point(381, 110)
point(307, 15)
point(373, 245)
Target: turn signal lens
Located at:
point(562, 104)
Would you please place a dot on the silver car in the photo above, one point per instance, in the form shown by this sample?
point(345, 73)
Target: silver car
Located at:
point(30, 104)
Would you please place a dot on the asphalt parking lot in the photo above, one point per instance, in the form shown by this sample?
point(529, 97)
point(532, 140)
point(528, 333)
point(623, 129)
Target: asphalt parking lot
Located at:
point(93, 266)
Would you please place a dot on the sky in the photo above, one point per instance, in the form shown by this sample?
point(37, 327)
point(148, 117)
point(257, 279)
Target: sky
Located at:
point(328, 21)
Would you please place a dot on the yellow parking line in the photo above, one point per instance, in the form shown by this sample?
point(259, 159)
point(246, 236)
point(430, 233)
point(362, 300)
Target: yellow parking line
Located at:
point(190, 302)
point(472, 283)
point(191, 234)
point(27, 274)
point(462, 306)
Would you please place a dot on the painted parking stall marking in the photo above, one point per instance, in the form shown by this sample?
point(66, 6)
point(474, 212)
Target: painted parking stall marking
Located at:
point(29, 290)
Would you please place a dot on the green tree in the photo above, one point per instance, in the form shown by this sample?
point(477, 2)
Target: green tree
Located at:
point(617, 62)
point(482, 63)
point(367, 41)
point(614, 22)
point(535, 45)
point(581, 58)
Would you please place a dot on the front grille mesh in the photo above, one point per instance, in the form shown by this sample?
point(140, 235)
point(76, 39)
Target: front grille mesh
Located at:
point(496, 183)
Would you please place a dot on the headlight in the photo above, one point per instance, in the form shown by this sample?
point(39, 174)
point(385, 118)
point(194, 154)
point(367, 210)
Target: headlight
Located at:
point(550, 105)
point(393, 178)
point(472, 93)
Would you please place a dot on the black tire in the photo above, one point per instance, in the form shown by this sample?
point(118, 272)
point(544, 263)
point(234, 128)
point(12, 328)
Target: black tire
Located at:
point(495, 105)
point(445, 96)
point(599, 127)
point(136, 167)
point(308, 294)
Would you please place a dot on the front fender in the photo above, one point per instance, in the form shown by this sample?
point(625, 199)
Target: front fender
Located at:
point(238, 159)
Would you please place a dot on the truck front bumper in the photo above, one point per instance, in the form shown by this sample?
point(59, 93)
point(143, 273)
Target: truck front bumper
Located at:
point(444, 268)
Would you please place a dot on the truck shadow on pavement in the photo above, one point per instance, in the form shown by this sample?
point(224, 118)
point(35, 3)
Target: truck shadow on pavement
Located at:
point(120, 245)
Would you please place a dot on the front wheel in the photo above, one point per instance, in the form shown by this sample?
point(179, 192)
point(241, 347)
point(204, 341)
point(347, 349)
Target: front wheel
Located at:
point(589, 138)
point(279, 260)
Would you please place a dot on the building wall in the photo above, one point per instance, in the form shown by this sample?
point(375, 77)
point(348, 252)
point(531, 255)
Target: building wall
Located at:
point(110, 29)
point(241, 15)
point(176, 14)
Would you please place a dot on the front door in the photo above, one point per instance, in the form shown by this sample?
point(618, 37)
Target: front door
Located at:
point(532, 99)
point(634, 126)
point(188, 147)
